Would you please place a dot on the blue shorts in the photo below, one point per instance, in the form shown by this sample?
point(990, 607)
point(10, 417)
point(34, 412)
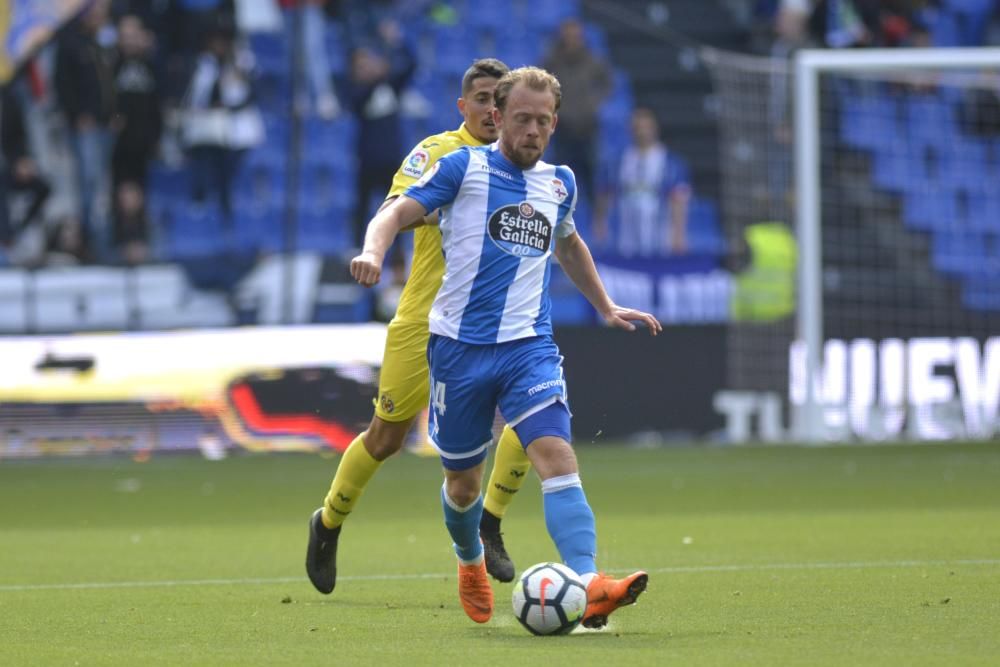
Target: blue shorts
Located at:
point(469, 382)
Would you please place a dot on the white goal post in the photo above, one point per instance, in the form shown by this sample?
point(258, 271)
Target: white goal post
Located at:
point(809, 65)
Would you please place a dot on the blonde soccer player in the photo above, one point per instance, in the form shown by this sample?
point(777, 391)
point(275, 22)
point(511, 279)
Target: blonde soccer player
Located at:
point(403, 384)
point(504, 213)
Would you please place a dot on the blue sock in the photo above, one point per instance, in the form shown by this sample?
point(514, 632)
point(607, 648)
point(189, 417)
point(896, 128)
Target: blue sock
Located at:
point(463, 525)
point(570, 522)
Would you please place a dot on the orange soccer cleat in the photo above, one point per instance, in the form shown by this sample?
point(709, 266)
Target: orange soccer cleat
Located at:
point(475, 592)
point(605, 594)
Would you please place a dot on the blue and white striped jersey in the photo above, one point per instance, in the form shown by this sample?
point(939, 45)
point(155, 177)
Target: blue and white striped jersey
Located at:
point(499, 224)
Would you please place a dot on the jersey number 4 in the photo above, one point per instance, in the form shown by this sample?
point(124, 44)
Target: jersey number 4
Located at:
point(437, 396)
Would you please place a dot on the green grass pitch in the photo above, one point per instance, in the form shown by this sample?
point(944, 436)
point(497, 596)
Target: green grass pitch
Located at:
point(757, 556)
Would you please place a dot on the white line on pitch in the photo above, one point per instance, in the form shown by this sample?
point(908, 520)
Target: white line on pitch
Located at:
point(680, 569)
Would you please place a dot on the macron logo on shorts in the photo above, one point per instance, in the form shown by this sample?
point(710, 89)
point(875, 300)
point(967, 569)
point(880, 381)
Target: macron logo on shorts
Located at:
point(545, 385)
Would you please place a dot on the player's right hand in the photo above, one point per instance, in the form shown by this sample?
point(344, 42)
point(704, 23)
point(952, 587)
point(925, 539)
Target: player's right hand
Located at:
point(366, 269)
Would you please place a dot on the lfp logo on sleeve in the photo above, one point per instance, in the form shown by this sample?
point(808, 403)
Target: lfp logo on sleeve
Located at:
point(416, 163)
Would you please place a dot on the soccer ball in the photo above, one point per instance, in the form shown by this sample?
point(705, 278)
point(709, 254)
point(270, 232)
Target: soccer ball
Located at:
point(549, 599)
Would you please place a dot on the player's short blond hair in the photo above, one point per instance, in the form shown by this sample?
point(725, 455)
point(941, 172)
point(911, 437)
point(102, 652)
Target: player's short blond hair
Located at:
point(534, 78)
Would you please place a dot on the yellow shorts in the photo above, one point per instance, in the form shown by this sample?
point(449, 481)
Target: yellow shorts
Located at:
point(404, 383)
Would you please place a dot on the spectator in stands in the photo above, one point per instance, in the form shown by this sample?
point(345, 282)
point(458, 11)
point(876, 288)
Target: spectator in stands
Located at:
point(64, 243)
point(19, 172)
point(372, 91)
point(854, 23)
point(791, 33)
point(84, 81)
point(841, 24)
point(137, 118)
point(362, 18)
point(586, 81)
point(311, 40)
point(650, 189)
point(131, 223)
point(970, 20)
point(221, 118)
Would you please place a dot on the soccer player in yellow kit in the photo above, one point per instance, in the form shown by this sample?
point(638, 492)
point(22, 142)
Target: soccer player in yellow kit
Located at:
point(404, 387)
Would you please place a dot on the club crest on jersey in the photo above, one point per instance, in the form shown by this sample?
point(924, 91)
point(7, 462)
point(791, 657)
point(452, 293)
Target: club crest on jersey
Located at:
point(387, 404)
point(416, 163)
point(428, 176)
point(559, 190)
point(520, 230)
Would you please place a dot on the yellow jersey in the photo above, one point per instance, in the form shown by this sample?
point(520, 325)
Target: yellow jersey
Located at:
point(427, 268)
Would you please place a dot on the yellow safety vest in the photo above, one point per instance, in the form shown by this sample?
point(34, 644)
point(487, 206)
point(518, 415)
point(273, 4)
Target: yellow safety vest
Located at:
point(765, 292)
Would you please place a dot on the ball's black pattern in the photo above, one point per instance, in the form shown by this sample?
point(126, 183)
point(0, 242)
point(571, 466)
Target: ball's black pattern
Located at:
point(555, 601)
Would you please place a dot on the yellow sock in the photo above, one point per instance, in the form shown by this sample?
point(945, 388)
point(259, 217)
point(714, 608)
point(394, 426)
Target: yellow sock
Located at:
point(510, 467)
point(356, 467)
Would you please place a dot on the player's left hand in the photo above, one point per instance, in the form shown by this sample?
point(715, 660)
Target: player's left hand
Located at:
point(366, 269)
point(622, 318)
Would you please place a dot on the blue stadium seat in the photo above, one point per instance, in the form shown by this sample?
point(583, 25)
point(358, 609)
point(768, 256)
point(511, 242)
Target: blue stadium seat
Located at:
point(930, 120)
point(195, 230)
point(276, 125)
point(336, 50)
point(983, 211)
point(900, 168)
point(334, 139)
point(270, 52)
point(454, 49)
point(971, 18)
point(169, 182)
point(869, 122)
point(944, 29)
point(704, 234)
point(519, 48)
point(548, 14)
point(596, 40)
point(273, 93)
point(326, 231)
point(930, 208)
point(982, 292)
point(957, 252)
point(964, 165)
point(568, 305)
point(270, 155)
point(258, 228)
point(614, 118)
point(491, 16)
point(260, 182)
point(327, 186)
point(970, 6)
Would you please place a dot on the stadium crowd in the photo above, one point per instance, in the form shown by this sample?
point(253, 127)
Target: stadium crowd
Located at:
point(130, 84)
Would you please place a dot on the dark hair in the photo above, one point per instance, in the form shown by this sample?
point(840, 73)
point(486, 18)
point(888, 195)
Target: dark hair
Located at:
point(533, 77)
point(482, 68)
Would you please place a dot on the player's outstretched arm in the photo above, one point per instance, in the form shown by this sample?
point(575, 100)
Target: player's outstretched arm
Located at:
point(366, 268)
point(575, 258)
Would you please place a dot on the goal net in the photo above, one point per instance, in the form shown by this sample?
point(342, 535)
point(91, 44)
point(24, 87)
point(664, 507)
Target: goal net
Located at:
point(870, 310)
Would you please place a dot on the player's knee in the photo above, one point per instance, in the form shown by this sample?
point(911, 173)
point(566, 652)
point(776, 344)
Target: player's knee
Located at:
point(383, 439)
point(463, 487)
point(552, 457)
point(546, 436)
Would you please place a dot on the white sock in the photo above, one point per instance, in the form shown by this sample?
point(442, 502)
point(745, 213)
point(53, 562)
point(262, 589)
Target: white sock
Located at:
point(474, 561)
